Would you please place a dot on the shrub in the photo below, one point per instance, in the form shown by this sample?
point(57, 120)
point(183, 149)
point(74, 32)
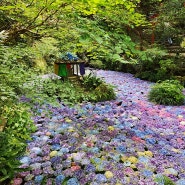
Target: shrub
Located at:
point(97, 64)
point(16, 132)
point(18, 122)
point(181, 79)
point(98, 89)
point(15, 121)
point(10, 149)
point(104, 92)
point(91, 81)
point(168, 92)
point(150, 62)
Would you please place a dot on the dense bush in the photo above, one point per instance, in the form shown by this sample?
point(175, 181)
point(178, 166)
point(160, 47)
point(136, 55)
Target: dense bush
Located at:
point(104, 92)
point(168, 92)
point(90, 81)
point(19, 123)
point(154, 65)
point(10, 149)
point(17, 129)
point(50, 90)
point(15, 121)
point(97, 64)
point(99, 89)
point(16, 132)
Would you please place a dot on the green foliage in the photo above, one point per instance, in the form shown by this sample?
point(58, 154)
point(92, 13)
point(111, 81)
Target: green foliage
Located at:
point(104, 92)
point(170, 22)
point(99, 89)
point(7, 96)
point(97, 64)
point(45, 48)
point(89, 28)
point(181, 79)
point(15, 119)
point(168, 92)
point(183, 43)
point(10, 149)
point(19, 123)
point(100, 44)
point(90, 81)
point(16, 56)
point(166, 70)
point(49, 90)
point(152, 54)
point(153, 66)
point(162, 179)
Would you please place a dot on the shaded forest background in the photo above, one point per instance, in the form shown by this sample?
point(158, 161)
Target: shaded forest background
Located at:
point(136, 36)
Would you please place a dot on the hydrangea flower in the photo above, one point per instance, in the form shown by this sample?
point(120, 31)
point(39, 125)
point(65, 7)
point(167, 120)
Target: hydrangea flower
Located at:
point(100, 178)
point(130, 137)
point(37, 171)
point(55, 160)
point(72, 181)
point(17, 181)
point(90, 168)
point(39, 179)
point(121, 149)
point(59, 179)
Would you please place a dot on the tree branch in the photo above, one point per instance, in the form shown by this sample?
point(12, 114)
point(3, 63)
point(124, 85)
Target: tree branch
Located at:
point(30, 4)
point(35, 17)
point(38, 14)
point(49, 16)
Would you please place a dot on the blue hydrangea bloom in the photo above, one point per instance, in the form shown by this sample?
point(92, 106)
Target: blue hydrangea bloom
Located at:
point(59, 179)
point(55, 147)
point(151, 141)
point(100, 178)
point(90, 168)
point(25, 160)
point(180, 182)
point(72, 181)
point(143, 159)
point(39, 179)
point(121, 149)
point(147, 173)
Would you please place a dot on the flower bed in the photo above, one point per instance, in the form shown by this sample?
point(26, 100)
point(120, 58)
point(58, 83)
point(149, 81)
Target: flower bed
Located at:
point(126, 141)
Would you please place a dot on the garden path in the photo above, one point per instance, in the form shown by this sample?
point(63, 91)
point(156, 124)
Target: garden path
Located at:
point(127, 141)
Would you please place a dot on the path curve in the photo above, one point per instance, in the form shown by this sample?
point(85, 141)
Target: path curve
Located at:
point(127, 141)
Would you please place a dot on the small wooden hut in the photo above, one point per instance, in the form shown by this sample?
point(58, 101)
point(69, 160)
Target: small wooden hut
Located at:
point(69, 66)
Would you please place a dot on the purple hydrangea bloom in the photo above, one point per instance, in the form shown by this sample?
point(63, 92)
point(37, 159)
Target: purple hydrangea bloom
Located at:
point(90, 168)
point(55, 160)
